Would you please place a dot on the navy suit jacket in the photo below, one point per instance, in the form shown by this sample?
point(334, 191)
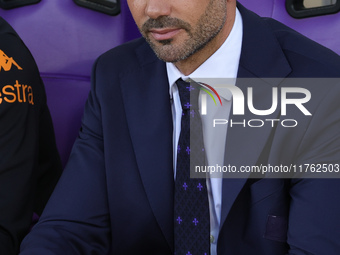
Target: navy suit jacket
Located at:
point(116, 193)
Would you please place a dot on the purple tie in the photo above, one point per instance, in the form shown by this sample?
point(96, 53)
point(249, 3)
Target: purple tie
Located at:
point(192, 221)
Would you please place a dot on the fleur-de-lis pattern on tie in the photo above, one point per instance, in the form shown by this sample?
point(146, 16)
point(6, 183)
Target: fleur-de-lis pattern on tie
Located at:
point(192, 222)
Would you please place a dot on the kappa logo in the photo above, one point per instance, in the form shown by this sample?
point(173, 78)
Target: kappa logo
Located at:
point(6, 63)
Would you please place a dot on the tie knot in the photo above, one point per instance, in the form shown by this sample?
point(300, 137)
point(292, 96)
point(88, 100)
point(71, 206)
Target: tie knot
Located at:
point(188, 93)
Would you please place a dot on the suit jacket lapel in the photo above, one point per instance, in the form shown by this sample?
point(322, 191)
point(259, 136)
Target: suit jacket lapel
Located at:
point(261, 57)
point(148, 111)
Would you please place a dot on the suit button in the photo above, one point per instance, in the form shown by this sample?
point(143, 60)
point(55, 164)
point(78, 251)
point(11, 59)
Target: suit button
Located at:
point(212, 239)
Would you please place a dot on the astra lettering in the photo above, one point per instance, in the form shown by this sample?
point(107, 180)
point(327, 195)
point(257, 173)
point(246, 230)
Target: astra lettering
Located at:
point(19, 93)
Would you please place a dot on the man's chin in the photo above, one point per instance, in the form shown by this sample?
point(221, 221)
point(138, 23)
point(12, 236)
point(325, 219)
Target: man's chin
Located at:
point(168, 56)
point(164, 52)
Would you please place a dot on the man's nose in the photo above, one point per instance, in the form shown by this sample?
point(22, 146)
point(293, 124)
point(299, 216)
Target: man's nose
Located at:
point(158, 8)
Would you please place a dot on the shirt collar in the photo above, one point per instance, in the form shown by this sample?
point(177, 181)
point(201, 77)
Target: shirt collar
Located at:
point(222, 64)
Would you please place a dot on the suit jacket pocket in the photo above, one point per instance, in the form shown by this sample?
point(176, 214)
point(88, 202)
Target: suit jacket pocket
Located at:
point(276, 228)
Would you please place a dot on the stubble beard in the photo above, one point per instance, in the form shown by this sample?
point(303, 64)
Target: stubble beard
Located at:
point(208, 27)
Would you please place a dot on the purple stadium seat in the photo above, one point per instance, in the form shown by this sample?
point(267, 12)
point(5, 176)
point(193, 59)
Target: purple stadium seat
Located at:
point(324, 29)
point(65, 39)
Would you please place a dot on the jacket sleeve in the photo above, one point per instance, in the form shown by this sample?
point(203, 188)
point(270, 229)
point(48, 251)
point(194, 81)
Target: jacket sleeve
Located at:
point(314, 225)
point(29, 161)
point(76, 218)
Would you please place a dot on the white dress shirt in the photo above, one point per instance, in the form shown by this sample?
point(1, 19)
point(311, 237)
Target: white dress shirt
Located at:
point(222, 64)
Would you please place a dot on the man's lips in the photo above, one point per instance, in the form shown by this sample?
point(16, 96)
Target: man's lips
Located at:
point(164, 33)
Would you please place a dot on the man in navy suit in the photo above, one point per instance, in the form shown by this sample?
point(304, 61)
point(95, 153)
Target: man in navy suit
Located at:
point(116, 195)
